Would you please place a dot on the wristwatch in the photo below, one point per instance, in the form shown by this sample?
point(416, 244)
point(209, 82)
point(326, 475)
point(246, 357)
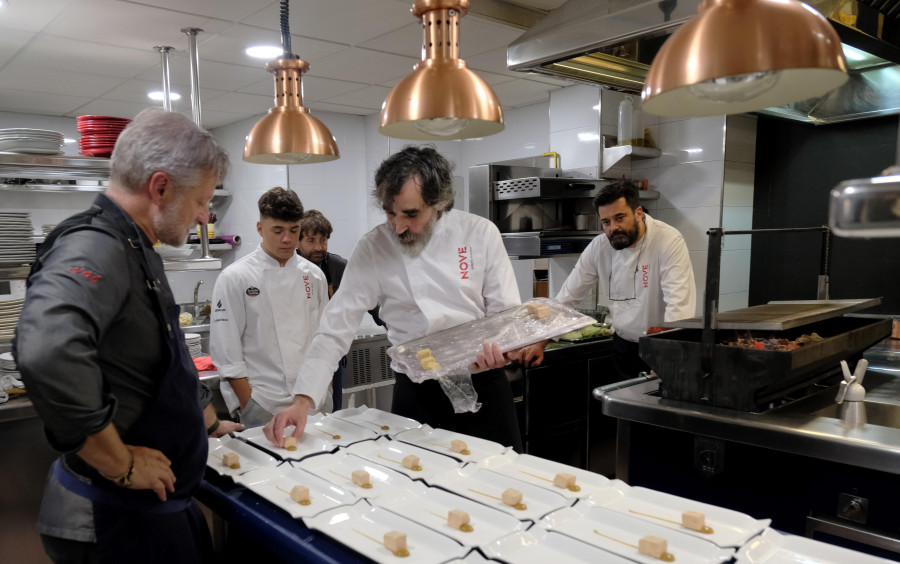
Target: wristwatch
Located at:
point(123, 480)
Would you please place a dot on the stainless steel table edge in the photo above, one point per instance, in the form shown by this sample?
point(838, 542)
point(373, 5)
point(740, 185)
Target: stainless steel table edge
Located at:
point(872, 446)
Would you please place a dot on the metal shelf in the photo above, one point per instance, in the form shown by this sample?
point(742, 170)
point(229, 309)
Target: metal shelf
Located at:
point(14, 272)
point(193, 264)
point(612, 155)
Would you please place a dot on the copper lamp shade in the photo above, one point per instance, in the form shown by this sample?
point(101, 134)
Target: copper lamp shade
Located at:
point(288, 134)
point(739, 56)
point(442, 99)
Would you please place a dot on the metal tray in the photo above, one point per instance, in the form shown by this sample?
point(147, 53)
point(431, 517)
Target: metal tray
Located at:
point(778, 316)
point(748, 379)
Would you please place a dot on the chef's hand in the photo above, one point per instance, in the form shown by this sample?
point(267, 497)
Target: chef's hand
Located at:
point(226, 428)
point(530, 355)
point(295, 414)
point(489, 359)
point(152, 471)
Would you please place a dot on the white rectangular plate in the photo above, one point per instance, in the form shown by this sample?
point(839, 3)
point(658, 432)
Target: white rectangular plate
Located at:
point(337, 468)
point(774, 548)
point(485, 486)
point(474, 557)
point(540, 472)
point(275, 484)
point(307, 445)
point(251, 457)
point(539, 546)
point(348, 433)
point(618, 533)
point(439, 440)
point(362, 528)
point(429, 506)
point(391, 453)
point(376, 420)
point(730, 528)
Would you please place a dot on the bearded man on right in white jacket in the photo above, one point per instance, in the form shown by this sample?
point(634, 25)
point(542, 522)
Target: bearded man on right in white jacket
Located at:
point(644, 267)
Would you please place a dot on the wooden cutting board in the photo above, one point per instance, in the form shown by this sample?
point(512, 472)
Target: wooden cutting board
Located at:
point(778, 316)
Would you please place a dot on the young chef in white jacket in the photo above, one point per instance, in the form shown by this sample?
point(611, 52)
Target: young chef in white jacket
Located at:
point(265, 310)
point(644, 267)
point(429, 268)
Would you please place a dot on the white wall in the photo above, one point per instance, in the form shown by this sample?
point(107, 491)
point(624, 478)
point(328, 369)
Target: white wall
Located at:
point(705, 177)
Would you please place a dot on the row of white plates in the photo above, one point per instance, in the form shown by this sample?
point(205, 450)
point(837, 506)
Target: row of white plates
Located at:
point(31, 141)
point(16, 238)
point(601, 523)
point(9, 318)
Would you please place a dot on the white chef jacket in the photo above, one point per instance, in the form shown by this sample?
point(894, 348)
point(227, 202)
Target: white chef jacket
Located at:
point(463, 274)
point(263, 319)
point(656, 272)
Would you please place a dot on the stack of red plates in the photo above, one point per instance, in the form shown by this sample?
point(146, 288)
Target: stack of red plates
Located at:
point(99, 134)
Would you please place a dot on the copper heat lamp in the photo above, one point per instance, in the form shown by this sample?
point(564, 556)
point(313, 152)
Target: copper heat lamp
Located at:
point(442, 98)
point(739, 56)
point(288, 134)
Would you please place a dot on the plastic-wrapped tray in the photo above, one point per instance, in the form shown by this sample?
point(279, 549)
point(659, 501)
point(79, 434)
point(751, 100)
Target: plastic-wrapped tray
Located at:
point(454, 349)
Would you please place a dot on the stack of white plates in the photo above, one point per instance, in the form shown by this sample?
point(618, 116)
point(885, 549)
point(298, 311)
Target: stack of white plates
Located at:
point(47, 228)
point(8, 364)
point(16, 239)
point(9, 373)
point(9, 318)
point(33, 141)
point(193, 342)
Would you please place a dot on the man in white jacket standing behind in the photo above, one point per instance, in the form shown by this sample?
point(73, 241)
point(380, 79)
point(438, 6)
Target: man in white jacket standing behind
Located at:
point(265, 310)
point(644, 267)
point(429, 267)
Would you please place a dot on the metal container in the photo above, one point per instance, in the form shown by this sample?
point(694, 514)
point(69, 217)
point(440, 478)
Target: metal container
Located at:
point(749, 379)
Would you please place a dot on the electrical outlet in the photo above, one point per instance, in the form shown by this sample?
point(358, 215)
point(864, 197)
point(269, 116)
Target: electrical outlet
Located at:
point(709, 456)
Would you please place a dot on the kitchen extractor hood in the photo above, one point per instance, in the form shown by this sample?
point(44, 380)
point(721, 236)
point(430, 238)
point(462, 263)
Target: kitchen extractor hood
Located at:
point(613, 42)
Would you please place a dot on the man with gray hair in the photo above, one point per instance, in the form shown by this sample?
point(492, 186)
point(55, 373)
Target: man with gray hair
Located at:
point(100, 349)
point(428, 267)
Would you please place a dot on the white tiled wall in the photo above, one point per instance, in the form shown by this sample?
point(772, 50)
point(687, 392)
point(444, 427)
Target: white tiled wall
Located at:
point(737, 211)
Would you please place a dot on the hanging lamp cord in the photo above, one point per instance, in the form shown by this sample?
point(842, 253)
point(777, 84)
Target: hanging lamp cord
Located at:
point(286, 31)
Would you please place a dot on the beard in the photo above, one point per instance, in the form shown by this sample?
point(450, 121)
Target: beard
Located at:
point(624, 238)
point(168, 227)
point(316, 257)
point(412, 244)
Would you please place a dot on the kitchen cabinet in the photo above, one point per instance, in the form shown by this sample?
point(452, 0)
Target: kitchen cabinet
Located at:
point(558, 418)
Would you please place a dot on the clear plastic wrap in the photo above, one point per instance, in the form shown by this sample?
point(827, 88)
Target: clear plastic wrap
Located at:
point(447, 355)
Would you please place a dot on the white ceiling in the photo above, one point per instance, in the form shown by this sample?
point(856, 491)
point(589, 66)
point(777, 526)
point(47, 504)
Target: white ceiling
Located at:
point(75, 57)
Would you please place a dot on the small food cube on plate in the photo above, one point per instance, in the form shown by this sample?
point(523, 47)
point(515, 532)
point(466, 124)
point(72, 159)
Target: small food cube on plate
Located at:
point(563, 480)
point(231, 460)
point(290, 443)
point(410, 461)
point(424, 353)
point(457, 445)
point(653, 546)
point(693, 520)
point(360, 477)
point(511, 496)
point(300, 494)
point(395, 541)
point(456, 518)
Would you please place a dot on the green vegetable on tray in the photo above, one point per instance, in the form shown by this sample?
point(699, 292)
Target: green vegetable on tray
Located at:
point(594, 330)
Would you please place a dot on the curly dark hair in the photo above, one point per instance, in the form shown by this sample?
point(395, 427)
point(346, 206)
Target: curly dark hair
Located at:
point(432, 168)
point(314, 223)
point(280, 204)
point(621, 189)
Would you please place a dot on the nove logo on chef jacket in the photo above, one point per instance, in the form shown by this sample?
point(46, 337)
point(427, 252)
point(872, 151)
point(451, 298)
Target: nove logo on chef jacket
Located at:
point(464, 261)
point(645, 275)
point(252, 291)
point(308, 287)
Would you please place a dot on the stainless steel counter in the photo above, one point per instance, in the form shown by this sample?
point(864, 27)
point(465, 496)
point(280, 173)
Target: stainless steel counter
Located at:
point(800, 427)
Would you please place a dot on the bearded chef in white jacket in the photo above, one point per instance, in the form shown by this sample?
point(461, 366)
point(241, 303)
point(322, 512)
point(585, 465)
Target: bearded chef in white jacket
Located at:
point(644, 267)
point(429, 268)
point(265, 310)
